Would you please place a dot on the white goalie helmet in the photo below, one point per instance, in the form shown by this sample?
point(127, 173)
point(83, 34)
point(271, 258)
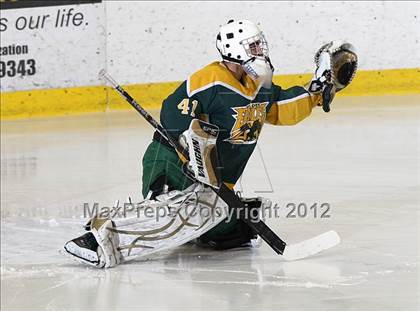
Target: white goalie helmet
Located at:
point(242, 42)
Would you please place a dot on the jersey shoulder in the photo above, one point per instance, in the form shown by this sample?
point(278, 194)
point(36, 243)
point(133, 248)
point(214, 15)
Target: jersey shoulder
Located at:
point(216, 74)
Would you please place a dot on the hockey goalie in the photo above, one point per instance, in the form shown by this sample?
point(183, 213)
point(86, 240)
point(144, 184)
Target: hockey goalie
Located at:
point(217, 115)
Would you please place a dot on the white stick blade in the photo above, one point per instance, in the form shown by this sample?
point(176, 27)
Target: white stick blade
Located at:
point(311, 246)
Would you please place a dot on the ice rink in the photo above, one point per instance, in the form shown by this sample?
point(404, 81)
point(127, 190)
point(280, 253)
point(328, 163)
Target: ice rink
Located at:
point(362, 158)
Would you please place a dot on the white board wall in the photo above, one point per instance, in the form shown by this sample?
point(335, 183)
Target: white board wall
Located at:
point(150, 41)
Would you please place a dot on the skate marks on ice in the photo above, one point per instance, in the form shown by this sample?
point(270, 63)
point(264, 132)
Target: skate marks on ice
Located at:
point(256, 275)
point(56, 287)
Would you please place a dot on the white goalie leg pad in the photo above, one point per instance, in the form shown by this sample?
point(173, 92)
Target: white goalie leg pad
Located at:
point(171, 220)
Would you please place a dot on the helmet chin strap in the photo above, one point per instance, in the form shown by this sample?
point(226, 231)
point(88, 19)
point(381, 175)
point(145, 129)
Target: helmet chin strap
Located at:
point(269, 61)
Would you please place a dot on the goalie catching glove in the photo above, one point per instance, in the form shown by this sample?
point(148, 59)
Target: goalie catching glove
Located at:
point(336, 67)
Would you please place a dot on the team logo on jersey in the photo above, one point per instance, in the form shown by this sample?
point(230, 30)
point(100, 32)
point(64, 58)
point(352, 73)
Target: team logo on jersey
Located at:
point(248, 124)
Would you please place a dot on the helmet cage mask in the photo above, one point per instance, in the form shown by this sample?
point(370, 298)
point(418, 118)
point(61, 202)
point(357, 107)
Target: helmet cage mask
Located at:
point(258, 66)
point(255, 46)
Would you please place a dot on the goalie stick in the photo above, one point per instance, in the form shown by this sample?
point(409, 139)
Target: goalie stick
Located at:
point(288, 251)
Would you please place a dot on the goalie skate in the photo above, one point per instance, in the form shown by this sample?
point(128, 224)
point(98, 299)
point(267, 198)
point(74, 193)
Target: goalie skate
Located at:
point(98, 247)
point(84, 249)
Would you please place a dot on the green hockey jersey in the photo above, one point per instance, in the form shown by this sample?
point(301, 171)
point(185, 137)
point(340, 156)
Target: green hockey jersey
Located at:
point(238, 108)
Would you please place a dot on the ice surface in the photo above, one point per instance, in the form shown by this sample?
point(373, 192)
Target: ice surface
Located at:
point(362, 158)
